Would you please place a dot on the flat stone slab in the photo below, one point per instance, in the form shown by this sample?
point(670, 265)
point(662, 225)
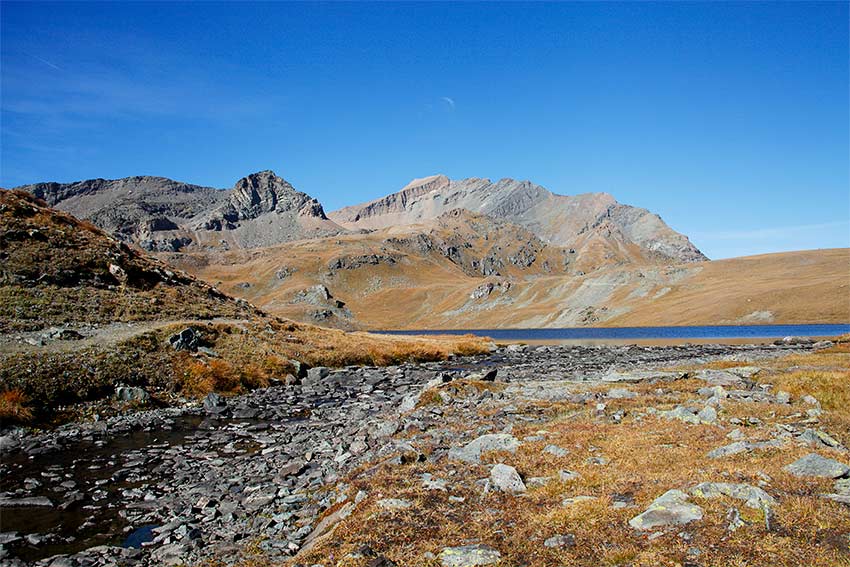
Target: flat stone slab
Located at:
point(670, 509)
point(642, 376)
point(743, 447)
point(753, 496)
point(818, 466)
point(29, 502)
point(471, 452)
point(469, 556)
point(394, 504)
point(719, 377)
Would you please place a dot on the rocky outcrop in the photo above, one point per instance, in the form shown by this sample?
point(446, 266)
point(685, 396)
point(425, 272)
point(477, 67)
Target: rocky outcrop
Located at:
point(162, 215)
point(258, 194)
point(569, 221)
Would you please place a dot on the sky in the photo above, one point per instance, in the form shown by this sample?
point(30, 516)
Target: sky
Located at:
point(729, 120)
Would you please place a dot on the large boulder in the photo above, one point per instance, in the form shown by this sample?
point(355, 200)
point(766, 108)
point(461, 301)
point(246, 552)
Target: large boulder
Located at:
point(187, 339)
point(507, 479)
point(816, 465)
point(670, 509)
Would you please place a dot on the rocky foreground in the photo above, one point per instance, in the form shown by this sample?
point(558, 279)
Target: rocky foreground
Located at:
point(551, 455)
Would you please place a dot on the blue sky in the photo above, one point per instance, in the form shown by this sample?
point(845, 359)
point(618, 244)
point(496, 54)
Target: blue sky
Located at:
point(729, 120)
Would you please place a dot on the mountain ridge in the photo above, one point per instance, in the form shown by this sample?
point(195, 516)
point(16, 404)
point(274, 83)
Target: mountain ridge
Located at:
point(556, 219)
point(160, 214)
point(263, 209)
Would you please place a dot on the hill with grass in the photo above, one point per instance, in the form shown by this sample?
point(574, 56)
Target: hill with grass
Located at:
point(83, 314)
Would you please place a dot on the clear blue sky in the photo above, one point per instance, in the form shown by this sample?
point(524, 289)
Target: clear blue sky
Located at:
point(729, 120)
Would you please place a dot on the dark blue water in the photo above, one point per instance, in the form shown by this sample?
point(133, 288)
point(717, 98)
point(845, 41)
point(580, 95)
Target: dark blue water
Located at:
point(140, 536)
point(619, 333)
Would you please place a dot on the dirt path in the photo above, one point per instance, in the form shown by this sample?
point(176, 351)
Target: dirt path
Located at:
point(40, 341)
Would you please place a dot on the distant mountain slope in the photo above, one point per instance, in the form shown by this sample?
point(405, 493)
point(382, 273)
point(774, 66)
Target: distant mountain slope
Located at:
point(465, 270)
point(57, 269)
point(567, 221)
point(164, 215)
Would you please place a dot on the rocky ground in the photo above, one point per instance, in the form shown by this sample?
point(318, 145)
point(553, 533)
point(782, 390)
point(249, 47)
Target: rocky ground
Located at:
point(550, 455)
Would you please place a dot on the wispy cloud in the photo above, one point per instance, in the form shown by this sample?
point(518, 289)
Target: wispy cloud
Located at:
point(45, 61)
point(448, 100)
point(771, 232)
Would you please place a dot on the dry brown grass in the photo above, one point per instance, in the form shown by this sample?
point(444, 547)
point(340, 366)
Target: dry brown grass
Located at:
point(246, 355)
point(13, 407)
point(648, 456)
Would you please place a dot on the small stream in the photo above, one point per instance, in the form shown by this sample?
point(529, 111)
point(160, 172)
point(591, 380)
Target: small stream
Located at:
point(89, 486)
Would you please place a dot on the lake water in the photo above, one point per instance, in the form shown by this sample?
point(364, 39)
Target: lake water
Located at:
point(645, 333)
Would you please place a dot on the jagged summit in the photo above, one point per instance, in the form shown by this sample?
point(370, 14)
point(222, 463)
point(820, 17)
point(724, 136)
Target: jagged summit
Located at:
point(563, 220)
point(161, 214)
point(257, 194)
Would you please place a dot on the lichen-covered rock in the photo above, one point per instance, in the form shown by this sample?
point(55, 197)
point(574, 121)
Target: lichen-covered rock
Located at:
point(670, 509)
point(753, 496)
point(818, 466)
point(469, 556)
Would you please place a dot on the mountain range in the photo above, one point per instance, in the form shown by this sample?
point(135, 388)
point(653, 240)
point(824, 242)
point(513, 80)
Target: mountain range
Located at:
point(443, 253)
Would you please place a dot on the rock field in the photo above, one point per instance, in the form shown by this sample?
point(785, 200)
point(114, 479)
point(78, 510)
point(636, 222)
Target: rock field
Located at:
point(269, 474)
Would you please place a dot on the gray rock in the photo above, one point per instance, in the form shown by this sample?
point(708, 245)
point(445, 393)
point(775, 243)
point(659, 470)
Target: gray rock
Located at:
point(620, 394)
point(818, 466)
point(28, 502)
point(472, 451)
point(131, 394)
point(560, 540)
point(555, 450)
point(187, 339)
point(643, 376)
point(752, 496)
point(394, 504)
point(469, 556)
point(506, 479)
point(670, 509)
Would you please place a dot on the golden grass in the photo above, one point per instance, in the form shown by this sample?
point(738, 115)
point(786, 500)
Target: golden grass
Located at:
point(13, 407)
point(648, 456)
point(245, 355)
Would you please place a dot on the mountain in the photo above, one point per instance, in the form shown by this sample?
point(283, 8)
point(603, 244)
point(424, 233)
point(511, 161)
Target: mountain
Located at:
point(621, 232)
point(450, 254)
point(159, 214)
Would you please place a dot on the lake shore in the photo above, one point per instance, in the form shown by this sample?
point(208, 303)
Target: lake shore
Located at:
point(262, 476)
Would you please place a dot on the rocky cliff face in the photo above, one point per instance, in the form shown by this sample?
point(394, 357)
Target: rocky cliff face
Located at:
point(258, 194)
point(160, 214)
point(562, 220)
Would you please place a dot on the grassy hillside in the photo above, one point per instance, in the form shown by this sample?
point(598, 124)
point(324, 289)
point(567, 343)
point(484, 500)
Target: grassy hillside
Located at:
point(57, 269)
point(405, 287)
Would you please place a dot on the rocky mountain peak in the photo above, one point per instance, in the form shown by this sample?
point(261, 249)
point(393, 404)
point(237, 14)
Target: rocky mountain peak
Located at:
point(427, 183)
point(265, 192)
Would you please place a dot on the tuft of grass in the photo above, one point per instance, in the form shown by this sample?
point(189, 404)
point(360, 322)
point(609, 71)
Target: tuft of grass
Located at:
point(13, 408)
